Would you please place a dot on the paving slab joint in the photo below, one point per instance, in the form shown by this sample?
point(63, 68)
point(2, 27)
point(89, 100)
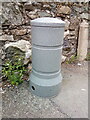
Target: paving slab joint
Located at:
point(58, 107)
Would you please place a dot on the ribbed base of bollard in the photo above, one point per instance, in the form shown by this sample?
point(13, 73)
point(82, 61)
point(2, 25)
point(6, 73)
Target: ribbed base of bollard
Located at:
point(45, 87)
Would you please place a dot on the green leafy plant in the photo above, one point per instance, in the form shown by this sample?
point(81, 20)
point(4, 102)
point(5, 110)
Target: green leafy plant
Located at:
point(72, 59)
point(14, 71)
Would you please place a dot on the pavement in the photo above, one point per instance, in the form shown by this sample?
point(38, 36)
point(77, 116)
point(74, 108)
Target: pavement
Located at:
point(71, 102)
point(0, 105)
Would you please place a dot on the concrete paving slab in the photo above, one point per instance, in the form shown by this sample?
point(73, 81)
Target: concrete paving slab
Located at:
point(72, 101)
point(20, 103)
point(73, 98)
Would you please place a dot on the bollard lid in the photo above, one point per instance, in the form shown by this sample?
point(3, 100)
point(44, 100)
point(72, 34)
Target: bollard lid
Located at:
point(47, 21)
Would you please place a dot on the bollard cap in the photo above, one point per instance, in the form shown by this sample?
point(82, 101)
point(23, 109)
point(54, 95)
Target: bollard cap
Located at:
point(47, 21)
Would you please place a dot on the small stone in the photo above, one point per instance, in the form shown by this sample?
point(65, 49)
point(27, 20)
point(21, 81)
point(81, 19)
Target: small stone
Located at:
point(3, 57)
point(74, 23)
point(19, 32)
point(67, 23)
point(66, 45)
point(48, 11)
point(71, 37)
point(23, 45)
point(28, 54)
point(33, 12)
point(53, 15)
point(72, 33)
point(29, 67)
point(6, 38)
point(53, 5)
point(85, 16)
point(11, 14)
point(66, 33)
point(32, 16)
point(37, 4)
point(21, 48)
point(63, 59)
point(46, 7)
point(28, 6)
point(79, 64)
point(44, 14)
point(64, 10)
point(9, 85)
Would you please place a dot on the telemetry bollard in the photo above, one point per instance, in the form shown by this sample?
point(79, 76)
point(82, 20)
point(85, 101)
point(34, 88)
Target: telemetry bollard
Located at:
point(47, 39)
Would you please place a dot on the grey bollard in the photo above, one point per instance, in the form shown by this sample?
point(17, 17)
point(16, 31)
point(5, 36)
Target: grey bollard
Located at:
point(47, 39)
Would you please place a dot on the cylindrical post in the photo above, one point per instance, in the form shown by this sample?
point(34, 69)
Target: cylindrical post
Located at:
point(47, 39)
point(83, 41)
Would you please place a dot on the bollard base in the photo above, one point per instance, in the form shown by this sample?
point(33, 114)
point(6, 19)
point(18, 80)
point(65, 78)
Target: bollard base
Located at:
point(45, 87)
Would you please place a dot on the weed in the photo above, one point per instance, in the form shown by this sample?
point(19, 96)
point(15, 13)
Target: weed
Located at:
point(14, 71)
point(72, 59)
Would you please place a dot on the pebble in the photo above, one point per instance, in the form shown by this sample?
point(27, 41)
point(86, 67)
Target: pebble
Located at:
point(79, 64)
point(3, 57)
point(29, 67)
point(6, 37)
point(64, 10)
point(63, 58)
point(20, 32)
point(66, 33)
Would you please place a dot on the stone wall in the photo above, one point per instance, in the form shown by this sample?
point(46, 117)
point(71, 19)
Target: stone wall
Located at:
point(16, 17)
